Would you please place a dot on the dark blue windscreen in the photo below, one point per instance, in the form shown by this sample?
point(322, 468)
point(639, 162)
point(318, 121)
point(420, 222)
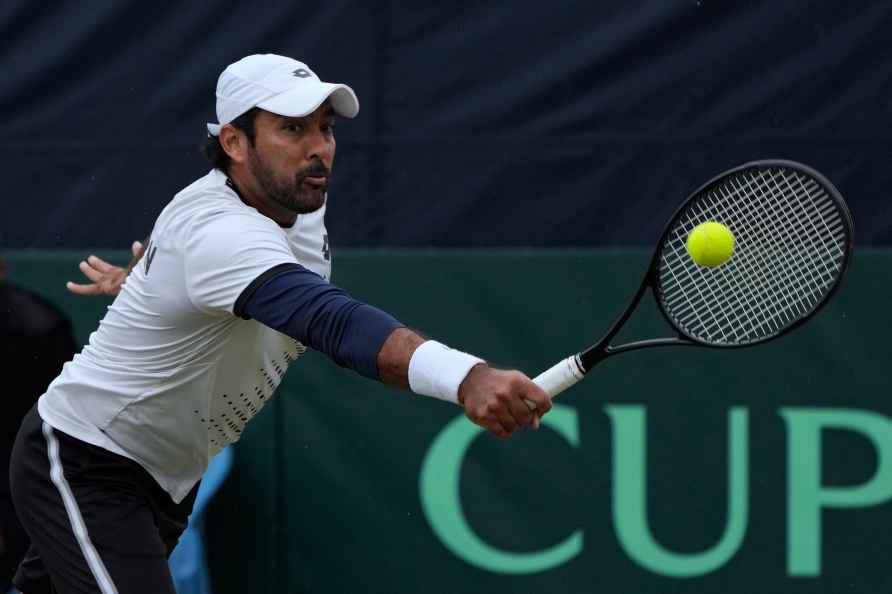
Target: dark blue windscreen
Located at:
point(503, 124)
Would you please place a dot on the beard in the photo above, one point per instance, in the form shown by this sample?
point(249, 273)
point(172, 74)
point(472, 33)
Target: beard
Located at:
point(292, 194)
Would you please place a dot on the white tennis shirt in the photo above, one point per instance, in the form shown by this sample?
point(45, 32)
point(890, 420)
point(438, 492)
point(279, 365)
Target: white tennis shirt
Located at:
point(171, 376)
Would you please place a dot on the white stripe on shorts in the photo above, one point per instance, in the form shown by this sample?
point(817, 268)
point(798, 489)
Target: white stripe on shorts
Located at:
point(97, 567)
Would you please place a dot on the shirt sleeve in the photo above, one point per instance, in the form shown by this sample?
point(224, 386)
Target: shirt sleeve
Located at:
point(303, 305)
point(225, 252)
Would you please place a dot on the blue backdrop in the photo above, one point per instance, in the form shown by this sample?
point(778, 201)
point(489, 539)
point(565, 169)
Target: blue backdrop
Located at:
point(521, 123)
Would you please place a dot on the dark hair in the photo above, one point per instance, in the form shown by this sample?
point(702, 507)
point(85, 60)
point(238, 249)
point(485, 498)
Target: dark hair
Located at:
point(212, 148)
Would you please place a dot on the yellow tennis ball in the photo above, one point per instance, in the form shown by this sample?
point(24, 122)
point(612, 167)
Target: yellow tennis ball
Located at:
point(710, 244)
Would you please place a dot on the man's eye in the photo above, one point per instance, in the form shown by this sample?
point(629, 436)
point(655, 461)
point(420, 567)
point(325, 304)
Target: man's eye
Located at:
point(294, 127)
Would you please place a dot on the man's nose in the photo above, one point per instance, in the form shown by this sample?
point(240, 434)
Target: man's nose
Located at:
point(321, 147)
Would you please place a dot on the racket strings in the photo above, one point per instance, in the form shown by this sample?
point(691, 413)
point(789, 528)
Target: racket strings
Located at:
point(773, 296)
point(746, 300)
point(768, 299)
point(811, 266)
point(754, 296)
point(791, 244)
point(732, 318)
point(732, 310)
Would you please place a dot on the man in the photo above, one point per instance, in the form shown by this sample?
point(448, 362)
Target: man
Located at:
point(231, 285)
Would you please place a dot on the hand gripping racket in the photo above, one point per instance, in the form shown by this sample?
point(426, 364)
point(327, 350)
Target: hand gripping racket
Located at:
point(793, 235)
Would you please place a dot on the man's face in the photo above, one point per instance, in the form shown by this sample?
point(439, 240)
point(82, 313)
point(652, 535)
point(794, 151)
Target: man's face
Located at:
point(292, 157)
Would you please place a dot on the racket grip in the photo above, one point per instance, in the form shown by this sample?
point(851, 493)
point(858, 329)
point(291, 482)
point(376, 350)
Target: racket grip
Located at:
point(560, 376)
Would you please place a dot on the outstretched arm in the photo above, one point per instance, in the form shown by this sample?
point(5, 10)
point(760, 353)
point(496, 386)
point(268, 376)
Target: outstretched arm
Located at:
point(299, 303)
point(106, 278)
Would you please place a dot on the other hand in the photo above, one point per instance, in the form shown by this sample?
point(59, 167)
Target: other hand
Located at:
point(106, 278)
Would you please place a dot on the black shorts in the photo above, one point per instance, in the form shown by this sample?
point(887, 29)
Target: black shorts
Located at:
point(98, 522)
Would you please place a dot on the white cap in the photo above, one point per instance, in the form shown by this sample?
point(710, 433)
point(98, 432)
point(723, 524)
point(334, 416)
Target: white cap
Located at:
point(277, 84)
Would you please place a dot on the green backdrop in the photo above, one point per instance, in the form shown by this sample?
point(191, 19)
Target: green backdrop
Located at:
point(686, 470)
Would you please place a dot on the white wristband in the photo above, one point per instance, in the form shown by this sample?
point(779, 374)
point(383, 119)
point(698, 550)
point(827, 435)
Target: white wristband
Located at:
point(437, 370)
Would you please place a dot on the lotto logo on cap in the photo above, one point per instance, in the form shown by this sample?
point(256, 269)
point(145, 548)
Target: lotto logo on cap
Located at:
point(277, 84)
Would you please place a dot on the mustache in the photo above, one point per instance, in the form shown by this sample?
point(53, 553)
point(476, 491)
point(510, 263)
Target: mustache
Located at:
point(316, 169)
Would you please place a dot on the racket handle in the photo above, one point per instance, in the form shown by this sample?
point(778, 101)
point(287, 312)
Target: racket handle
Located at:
point(559, 377)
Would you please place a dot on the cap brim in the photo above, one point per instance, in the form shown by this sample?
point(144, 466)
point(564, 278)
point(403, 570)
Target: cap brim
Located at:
point(304, 100)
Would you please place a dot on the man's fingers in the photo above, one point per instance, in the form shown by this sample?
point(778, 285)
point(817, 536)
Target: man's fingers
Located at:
point(519, 410)
point(536, 421)
point(136, 249)
point(504, 401)
point(500, 432)
point(536, 398)
point(100, 264)
point(508, 422)
point(494, 426)
point(88, 290)
point(106, 277)
point(90, 272)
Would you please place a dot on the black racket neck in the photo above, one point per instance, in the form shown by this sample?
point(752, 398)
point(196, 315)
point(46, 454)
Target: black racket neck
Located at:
point(602, 349)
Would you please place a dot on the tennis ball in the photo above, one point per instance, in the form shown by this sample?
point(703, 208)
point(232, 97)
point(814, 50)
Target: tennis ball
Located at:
point(710, 244)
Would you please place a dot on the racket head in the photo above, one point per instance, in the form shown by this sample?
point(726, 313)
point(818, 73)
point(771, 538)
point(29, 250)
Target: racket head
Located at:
point(793, 244)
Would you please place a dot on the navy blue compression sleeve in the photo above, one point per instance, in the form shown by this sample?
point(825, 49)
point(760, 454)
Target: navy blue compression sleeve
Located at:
point(300, 303)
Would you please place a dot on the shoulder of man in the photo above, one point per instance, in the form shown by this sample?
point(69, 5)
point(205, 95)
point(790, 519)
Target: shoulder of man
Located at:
point(206, 201)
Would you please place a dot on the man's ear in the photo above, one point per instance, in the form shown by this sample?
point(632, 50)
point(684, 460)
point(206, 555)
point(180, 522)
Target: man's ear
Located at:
point(234, 142)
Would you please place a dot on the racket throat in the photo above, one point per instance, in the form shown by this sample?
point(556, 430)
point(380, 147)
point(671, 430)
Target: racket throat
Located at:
point(602, 349)
point(588, 359)
point(591, 357)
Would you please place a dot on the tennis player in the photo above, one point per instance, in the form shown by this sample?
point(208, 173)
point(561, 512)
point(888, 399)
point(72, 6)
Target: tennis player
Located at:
point(231, 288)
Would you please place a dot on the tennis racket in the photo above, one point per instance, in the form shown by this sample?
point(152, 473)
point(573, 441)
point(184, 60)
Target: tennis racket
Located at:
point(794, 237)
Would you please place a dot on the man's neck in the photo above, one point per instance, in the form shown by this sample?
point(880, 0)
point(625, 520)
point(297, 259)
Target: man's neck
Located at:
point(251, 194)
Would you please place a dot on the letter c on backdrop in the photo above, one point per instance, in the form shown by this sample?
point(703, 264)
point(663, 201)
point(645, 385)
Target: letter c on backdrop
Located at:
point(440, 499)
